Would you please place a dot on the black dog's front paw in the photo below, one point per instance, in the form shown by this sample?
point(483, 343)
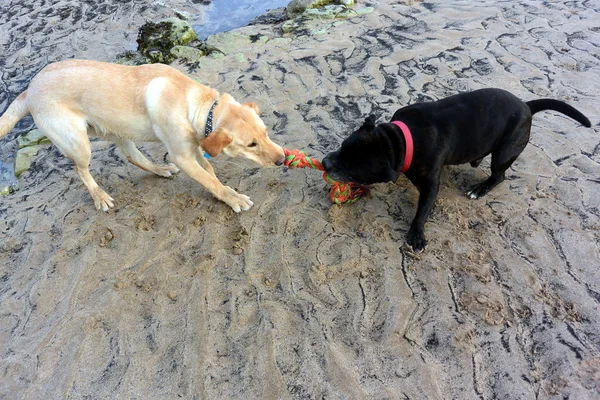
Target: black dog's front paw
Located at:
point(416, 240)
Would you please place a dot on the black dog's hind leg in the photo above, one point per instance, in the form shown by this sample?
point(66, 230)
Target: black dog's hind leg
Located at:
point(502, 159)
point(428, 191)
point(498, 175)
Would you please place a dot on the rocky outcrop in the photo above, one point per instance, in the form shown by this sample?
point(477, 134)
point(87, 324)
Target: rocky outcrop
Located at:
point(174, 38)
point(165, 41)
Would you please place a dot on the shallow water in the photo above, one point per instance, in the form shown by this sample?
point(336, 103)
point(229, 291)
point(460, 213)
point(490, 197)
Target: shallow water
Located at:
point(225, 15)
point(39, 32)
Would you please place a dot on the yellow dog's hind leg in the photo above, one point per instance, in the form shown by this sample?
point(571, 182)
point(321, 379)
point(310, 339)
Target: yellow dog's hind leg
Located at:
point(68, 132)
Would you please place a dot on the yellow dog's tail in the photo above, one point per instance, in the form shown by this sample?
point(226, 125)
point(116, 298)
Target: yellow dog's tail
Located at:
point(15, 112)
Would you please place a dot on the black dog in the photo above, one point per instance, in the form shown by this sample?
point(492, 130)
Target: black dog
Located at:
point(459, 129)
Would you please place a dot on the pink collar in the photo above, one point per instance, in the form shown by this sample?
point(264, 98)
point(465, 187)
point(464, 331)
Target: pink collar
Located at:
point(409, 144)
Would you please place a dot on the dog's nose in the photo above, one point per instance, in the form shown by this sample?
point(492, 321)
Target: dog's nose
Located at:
point(280, 161)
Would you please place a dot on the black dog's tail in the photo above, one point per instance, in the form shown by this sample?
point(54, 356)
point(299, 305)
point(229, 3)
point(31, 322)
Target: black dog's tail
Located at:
point(555, 105)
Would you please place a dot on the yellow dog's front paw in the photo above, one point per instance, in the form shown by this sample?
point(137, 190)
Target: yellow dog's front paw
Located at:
point(102, 200)
point(237, 201)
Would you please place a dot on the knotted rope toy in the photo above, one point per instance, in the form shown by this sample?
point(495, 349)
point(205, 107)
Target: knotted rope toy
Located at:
point(340, 192)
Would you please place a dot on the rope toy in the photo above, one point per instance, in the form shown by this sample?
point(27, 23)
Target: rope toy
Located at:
point(340, 192)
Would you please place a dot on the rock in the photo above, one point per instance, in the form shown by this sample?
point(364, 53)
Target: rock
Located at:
point(183, 15)
point(12, 245)
point(182, 32)
point(5, 190)
point(331, 12)
point(187, 53)
point(273, 16)
point(209, 49)
point(32, 138)
point(24, 158)
point(155, 40)
point(130, 58)
point(172, 296)
point(290, 26)
point(297, 7)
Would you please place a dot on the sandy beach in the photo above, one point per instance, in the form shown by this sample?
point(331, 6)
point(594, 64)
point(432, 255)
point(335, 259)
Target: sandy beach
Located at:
point(173, 295)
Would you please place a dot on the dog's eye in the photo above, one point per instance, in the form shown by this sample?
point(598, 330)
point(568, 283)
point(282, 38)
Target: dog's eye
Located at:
point(253, 144)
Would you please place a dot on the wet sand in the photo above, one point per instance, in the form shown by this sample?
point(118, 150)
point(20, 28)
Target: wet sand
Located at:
point(172, 295)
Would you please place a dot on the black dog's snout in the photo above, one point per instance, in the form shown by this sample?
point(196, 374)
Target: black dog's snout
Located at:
point(326, 163)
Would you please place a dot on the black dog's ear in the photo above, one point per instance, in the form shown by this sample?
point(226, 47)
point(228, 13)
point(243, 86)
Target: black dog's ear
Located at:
point(369, 121)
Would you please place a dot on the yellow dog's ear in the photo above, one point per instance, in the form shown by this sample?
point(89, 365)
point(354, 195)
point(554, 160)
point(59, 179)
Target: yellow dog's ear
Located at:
point(215, 142)
point(253, 106)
